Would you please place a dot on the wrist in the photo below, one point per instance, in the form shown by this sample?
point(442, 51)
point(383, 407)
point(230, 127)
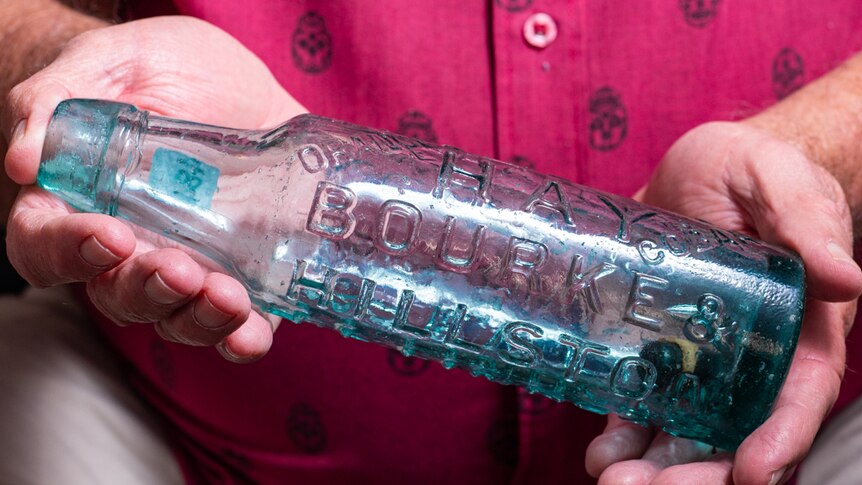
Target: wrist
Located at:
point(33, 32)
point(824, 133)
point(823, 121)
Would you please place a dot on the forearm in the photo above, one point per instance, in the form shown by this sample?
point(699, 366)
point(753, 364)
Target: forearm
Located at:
point(32, 32)
point(824, 120)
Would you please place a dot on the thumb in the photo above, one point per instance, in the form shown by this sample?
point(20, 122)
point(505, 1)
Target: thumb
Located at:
point(798, 205)
point(29, 108)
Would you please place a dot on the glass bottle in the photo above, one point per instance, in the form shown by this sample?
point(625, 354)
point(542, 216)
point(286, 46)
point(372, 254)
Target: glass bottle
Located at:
point(516, 276)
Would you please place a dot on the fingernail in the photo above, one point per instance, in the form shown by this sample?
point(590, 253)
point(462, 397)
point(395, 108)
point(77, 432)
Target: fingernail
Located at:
point(777, 476)
point(838, 253)
point(93, 253)
point(159, 292)
point(225, 352)
point(208, 316)
point(18, 131)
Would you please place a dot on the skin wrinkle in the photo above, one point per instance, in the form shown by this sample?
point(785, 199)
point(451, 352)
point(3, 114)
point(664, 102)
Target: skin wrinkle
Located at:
point(750, 197)
point(829, 134)
point(268, 108)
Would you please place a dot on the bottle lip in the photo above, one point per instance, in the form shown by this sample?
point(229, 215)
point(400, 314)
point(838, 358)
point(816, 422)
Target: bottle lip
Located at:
point(83, 149)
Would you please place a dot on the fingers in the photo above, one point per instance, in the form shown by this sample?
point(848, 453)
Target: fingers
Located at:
point(28, 110)
point(185, 304)
point(671, 460)
point(48, 246)
point(798, 205)
point(250, 341)
point(808, 394)
point(621, 440)
point(147, 288)
point(217, 311)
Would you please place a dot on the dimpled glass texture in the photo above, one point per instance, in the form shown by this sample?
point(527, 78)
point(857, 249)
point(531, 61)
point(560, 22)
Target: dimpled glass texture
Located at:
point(512, 275)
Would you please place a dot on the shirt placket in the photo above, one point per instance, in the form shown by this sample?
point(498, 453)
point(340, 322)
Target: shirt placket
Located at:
point(539, 81)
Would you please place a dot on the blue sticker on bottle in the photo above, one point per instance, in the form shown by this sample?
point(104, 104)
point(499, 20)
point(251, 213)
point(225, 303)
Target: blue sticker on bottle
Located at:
point(183, 177)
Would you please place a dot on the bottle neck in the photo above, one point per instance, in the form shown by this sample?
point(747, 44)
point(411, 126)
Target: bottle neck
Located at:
point(122, 157)
point(154, 161)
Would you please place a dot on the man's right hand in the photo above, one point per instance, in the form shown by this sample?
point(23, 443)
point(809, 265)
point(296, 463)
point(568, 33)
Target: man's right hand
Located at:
point(173, 66)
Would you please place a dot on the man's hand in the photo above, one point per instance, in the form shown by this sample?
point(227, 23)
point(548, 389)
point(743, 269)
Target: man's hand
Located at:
point(177, 67)
point(741, 178)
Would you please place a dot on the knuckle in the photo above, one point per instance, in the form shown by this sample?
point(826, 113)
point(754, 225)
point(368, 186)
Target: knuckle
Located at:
point(30, 265)
point(18, 93)
point(83, 40)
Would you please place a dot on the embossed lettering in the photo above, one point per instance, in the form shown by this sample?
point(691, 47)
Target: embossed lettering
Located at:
point(580, 282)
point(366, 291)
point(387, 142)
point(676, 245)
point(312, 159)
point(633, 377)
point(521, 263)
point(304, 288)
point(577, 352)
point(703, 325)
point(452, 175)
point(331, 214)
point(650, 252)
point(626, 220)
point(454, 320)
point(639, 300)
point(557, 201)
point(450, 255)
point(344, 294)
point(522, 351)
point(405, 303)
point(398, 227)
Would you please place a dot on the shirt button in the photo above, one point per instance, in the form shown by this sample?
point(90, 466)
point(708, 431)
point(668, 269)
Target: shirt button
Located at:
point(540, 30)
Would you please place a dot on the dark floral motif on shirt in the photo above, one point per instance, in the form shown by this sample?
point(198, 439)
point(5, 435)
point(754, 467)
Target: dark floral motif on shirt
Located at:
point(312, 44)
point(698, 13)
point(305, 429)
point(503, 442)
point(163, 364)
point(416, 124)
point(788, 72)
point(514, 5)
point(406, 366)
point(609, 119)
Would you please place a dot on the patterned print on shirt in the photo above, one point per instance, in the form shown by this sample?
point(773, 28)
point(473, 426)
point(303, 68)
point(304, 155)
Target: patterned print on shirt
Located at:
point(417, 124)
point(609, 121)
point(163, 364)
point(305, 429)
point(514, 5)
point(312, 44)
point(698, 13)
point(502, 439)
point(406, 366)
point(788, 72)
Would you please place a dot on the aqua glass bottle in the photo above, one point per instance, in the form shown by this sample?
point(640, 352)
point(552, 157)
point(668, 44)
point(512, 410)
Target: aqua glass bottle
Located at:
point(516, 276)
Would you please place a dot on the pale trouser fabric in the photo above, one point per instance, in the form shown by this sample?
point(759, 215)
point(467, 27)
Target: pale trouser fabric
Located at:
point(68, 417)
point(836, 457)
point(66, 414)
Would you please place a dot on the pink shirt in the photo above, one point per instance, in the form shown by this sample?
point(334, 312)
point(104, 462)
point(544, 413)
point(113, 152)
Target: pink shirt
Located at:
point(592, 91)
